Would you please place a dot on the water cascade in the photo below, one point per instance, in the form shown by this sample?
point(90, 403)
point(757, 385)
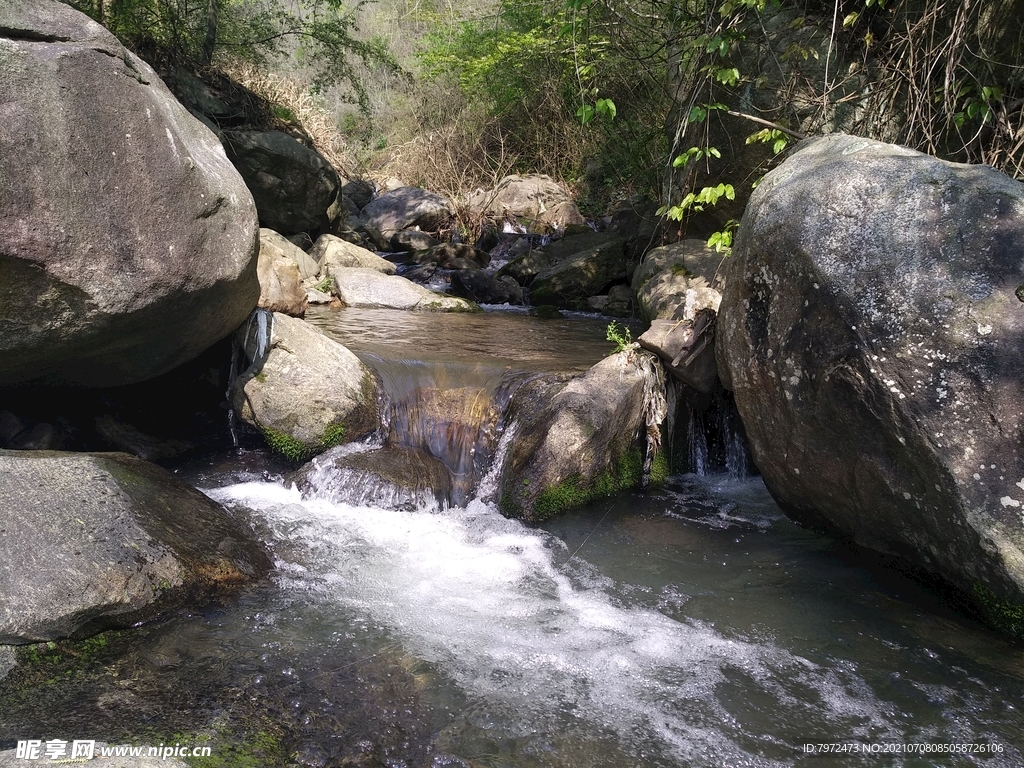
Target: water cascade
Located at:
point(715, 441)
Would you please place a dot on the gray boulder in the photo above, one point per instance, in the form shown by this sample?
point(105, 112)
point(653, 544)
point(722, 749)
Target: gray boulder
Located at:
point(579, 274)
point(412, 240)
point(457, 256)
point(370, 288)
point(404, 208)
point(478, 286)
point(686, 348)
point(308, 393)
point(687, 274)
point(873, 334)
point(535, 202)
point(332, 253)
point(92, 541)
point(294, 187)
point(525, 263)
point(281, 288)
point(281, 247)
point(577, 441)
point(360, 192)
point(127, 239)
point(619, 303)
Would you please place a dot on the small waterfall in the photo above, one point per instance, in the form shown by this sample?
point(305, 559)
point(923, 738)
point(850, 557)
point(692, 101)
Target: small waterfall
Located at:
point(715, 439)
point(737, 463)
point(697, 439)
point(453, 412)
point(250, 349)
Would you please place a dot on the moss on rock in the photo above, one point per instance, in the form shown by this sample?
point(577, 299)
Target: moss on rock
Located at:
point(295, 449)
point(1003, 615)
point(625, 474)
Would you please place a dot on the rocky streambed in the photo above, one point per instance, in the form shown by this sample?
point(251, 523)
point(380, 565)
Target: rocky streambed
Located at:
point(402, 528)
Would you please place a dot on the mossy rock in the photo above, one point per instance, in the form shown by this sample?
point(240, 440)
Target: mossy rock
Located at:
point(1000, 614)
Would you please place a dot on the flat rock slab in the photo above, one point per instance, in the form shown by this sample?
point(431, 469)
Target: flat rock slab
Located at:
point(369, 288)
point(92, 541)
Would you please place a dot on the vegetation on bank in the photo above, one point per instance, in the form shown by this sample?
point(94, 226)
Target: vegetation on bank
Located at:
point(688, 103)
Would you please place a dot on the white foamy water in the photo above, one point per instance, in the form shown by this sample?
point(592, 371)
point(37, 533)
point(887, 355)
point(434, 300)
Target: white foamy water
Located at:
point(536, 637)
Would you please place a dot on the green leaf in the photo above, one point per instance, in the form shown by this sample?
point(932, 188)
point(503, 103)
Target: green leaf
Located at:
point(697, 115)
point(728, 76)
point(851, 19)
point(606, 107)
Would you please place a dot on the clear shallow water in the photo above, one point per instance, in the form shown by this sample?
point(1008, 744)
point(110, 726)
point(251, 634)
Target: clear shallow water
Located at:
point(465, 341)
point(695, 626)
point(449, 377)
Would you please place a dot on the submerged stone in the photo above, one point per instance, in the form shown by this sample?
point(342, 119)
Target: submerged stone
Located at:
point(390, 478)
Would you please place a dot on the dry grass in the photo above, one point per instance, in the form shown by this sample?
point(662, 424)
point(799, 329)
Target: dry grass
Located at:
point(308, 110)
point(465, 154)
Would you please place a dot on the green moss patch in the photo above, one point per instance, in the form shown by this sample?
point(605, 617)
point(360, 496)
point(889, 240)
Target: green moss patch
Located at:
point(574, 492)
point(296, 450)
point(286, 445)
point(1004, 615)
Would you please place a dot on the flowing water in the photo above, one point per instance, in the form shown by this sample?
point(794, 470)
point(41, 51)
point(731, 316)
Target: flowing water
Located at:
point(694, 626)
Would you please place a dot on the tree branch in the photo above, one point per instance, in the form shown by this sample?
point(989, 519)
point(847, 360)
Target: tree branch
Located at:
point(769, 123)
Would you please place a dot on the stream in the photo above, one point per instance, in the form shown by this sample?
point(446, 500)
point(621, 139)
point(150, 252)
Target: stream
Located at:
point(692, 626)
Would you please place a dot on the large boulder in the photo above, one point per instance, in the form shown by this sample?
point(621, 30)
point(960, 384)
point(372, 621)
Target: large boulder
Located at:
point(873, 333)
point(535, 202)
point(578, 441)
point(404, 208)
point(370, 288)
point(582, 273)
point(91, 541)
point(305, 393)
point(294, 187)
point(686, 274)
point(127, 239)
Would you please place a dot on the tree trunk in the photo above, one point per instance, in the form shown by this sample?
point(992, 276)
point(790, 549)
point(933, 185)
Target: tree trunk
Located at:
point(210, 40)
